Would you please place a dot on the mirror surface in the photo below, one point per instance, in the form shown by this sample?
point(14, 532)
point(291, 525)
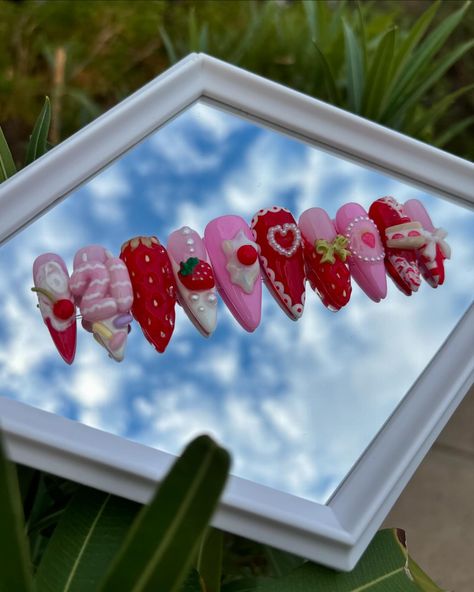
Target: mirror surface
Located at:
point(296, 403)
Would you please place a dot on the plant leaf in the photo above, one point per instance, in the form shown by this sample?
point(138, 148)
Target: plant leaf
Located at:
point(424, 582)
point(163, 539)
point(282, 562)
point(37, 145)
point(409, 78)
point(412, 39)
point(355, 68)
point(431, 116)
point(15, 572)
point(453, 131)
point(170, 48)
point(384, 566)
point(7, 165)
point(88, 535)
point(209, 563)
point(423, 85)
point(378, 75)
point(192, 583)
point(333, 93)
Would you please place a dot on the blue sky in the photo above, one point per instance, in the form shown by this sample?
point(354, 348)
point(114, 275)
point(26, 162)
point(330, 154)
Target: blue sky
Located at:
point(296, 403)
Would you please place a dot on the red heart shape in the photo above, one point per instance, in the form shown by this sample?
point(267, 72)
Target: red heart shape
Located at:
point(369, 239)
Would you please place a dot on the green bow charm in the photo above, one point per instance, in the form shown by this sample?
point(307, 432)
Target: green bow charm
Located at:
point(330, 251)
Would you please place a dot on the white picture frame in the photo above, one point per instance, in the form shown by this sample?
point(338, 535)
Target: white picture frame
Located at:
point(334, 534)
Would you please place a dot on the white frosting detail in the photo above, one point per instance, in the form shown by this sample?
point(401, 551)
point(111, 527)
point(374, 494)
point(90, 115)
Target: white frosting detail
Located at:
point(243, 276)
point(51, 277)
point(264, 211)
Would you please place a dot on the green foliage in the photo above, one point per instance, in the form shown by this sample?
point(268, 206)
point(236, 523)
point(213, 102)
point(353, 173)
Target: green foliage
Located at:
point(15, 573)
point(375, 58)
point(7, 166)
point(37, 145)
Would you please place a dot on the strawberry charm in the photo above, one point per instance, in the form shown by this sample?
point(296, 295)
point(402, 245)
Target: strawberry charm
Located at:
point(196, 274)
point(154, 288)
point(194, 278)
point(281, 258)
point(325, 254)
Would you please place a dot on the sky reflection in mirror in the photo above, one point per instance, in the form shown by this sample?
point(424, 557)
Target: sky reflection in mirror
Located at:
point(296, 403)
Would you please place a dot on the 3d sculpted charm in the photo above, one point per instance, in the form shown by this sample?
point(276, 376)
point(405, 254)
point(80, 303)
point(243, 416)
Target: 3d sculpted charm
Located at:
point(194, 278)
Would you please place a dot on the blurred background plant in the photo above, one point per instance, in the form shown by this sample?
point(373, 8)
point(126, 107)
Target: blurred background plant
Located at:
point(405, 64)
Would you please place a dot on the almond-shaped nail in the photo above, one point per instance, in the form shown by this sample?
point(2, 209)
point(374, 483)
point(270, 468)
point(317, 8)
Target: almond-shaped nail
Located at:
point(56, 303)
point(194, 278)
point(325, 253)
point(281, 258)
point(400, 263)
point(366, 262)
point(234, 258)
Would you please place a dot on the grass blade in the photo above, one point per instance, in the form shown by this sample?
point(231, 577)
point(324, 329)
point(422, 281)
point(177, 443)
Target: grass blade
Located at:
point(378, 75)
point(209, 562)
point(412, 96)
point(412, 39)
point(355, 68)
point(170, 49)
point(408, 79)
point(431, 117)
point(7, 165)
point(453, 131)
point(37, 145)
point(15, 572)
point(85, 541)
point(159, 548)
point(331, 87)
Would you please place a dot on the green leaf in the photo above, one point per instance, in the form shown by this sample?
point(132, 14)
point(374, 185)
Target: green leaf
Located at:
point(378, 75)
point(382, 568)
point(453, 131)
point(37, 145)
point(333, 93)
point(282, 562)
point(244, 585)
point(421, 59)
point(412, 39)
point(355, 69)
point(88, 536)
point(431, 116)
point(209, 562)
point(15, 572)
point(192, 583)
point(158, 550)
point(424, 582)
point(170, 48)
point(7, 165)
point(424, 84)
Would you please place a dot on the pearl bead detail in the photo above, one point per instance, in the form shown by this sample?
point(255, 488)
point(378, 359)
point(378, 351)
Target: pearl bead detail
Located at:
point(283, 230)
point(348, 232)
point(185, 230)
point(190, 241)
point(194, 297)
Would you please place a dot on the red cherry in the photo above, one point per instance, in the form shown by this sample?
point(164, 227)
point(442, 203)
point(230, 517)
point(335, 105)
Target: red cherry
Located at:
point(247, 255)
point(63, 309)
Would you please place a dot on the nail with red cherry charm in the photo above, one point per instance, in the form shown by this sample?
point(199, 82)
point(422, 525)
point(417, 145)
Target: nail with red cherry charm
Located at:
point(56, 303)
point(234, 258)
point(281, 258)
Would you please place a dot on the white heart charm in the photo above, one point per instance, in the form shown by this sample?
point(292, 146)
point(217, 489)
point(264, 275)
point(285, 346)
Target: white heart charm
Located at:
point(283, 231)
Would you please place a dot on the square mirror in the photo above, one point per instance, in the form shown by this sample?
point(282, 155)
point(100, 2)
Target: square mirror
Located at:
point(326, 418)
